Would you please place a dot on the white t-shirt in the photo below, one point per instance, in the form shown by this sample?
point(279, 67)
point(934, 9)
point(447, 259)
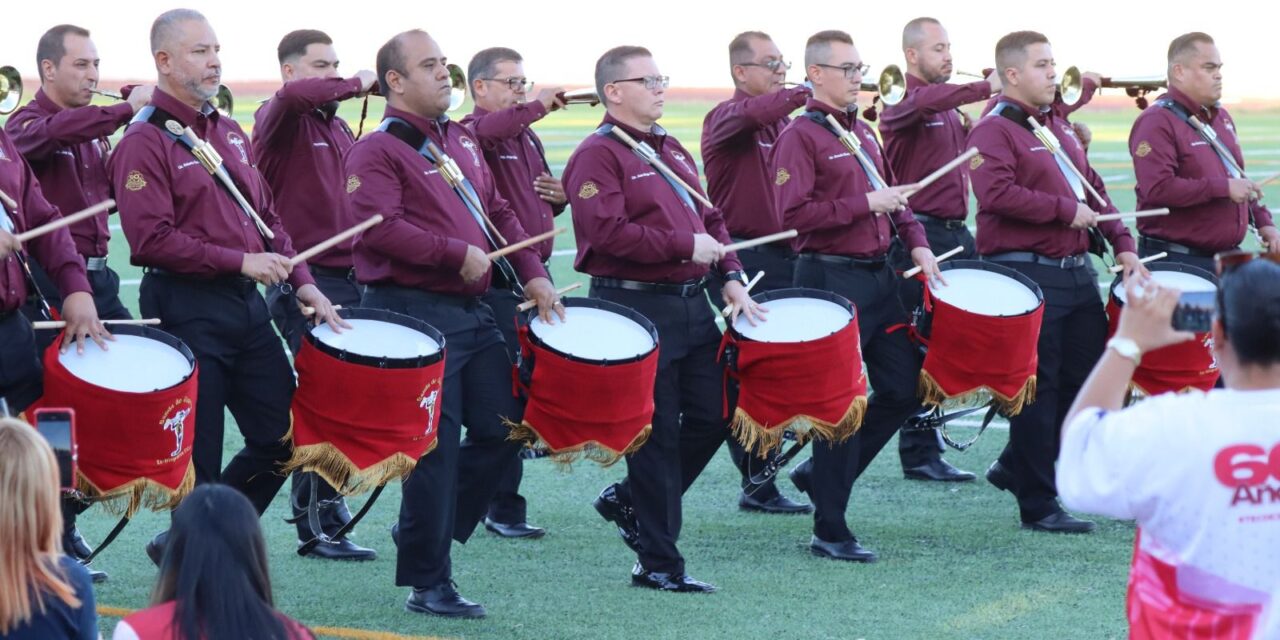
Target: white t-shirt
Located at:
point(1200, 472)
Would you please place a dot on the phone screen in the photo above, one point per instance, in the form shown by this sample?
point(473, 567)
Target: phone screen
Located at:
point(55, 426)
point(1194, 311)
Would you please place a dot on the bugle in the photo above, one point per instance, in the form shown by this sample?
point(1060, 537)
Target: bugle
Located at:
point(1072, 86)
point(10, 89)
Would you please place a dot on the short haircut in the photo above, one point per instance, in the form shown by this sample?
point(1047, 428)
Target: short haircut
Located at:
point(612, 64)
point(1011, 50)
point(1185, 44)
point(53, 44)
point(391, 58)
point(162, 30)
point(483, 63)
point(913, 33)
point(1249, 310)
point(740, 50)
point(818, 48)
point(294, 44)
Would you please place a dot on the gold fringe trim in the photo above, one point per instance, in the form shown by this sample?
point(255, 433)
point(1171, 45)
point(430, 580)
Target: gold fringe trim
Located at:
point(931, 393)
point(142, 492)
point(591, 450)
point(343, 474)
point(761, 439)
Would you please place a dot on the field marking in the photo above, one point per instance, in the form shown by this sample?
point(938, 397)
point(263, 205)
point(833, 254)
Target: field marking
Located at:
point(336, 632)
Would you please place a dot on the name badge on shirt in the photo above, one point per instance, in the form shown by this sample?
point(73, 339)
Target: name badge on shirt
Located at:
point(647, 174)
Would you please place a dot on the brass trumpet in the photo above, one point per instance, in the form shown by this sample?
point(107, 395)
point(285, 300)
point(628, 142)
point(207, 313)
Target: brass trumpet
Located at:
point(1072, 86)
point(223, 101)
point(890, 89)
point(581, 96)
point(10, 89)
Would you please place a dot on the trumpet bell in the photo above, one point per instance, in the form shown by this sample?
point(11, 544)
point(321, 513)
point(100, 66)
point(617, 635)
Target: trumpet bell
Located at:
point(1072, 85)
point(892, 85)
point(223, 100)
point(458, 87)
point(10, 89)
point(581, 96)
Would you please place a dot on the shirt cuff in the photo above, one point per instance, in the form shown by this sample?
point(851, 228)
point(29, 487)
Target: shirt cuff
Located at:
point(123, 112)
point(1220, 187)
point(455, 253)
point(226, 260)
point(1066, 210)
point(301, 276)
point(74, 279)
point(682, 246)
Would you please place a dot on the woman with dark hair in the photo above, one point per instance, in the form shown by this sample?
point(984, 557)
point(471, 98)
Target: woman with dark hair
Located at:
point(1200, 472)
point(44, 595)
point(214, 583)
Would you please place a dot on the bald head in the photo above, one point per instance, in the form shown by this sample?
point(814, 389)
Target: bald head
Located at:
point(166, 30)
point(914, 34)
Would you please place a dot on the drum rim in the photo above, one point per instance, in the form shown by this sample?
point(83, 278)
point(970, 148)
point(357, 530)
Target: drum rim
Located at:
point(606, 305)
point(163, 337)
point(995, 267)
point(1180, 267)
point(381, 362)
point(798, 292)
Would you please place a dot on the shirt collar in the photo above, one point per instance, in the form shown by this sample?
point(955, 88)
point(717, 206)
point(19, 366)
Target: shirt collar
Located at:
point(848, 119)
point(1205, 113)
point(45, 102)
point(655, 136)
point(183, 113)
point(1041, 114)
point(436, 128)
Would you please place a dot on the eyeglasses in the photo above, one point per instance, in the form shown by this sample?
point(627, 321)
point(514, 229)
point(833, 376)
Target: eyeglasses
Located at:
point(650, 82)
point(514, 84)
point(850, 70)
point(772, 65)
point(1229, 261)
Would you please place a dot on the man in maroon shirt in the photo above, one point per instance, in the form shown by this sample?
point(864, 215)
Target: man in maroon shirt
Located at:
point(737, 136)
point(299, 143)
point(64, 140)
point(1211, 205)
point(649, 245)
point(1034, 216)
point(204, 255)
point(428, 260)
point(501, 122)
point(923, 132)
point(847, 215)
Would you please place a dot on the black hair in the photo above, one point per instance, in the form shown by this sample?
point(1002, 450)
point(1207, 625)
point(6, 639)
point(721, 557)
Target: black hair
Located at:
point(1249, 310)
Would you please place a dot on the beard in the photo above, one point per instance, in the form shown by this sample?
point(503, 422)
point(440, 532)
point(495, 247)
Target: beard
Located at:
point(197, 89)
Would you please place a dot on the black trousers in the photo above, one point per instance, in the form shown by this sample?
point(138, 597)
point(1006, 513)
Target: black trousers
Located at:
point(21, 371)
point(778, 264)
point(1146, 248)
point(917, 447)
point(243, 367)
point(450, 488)
point(105, 285)
point(893, 366)
point(507, 505)
point(689, 424)
point(292, 325)
point(1072, 338)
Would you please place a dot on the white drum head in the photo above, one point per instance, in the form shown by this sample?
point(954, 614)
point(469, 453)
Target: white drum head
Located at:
point(378, 339)
point(795, 320)
point(1184, 282)
point(985, 293)
point(133, 364)
point(594, 334)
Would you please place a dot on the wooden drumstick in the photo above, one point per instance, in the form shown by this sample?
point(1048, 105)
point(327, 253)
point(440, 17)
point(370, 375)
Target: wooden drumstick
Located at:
point(529, 304)
point(942, 171)
point(8, 202)
point(724, 313)
point(66, 220)
point(527, 242)
point(755, 242)
point(311, 311)
point(1269, 179)
point(327, 244)
point(1106, 217)
point(1156, 256)
point(62, 324)
point(661, 166)
point(911, 273)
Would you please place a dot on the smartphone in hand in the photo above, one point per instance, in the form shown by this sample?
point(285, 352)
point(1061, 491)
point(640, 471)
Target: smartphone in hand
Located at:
point(58, 426)
point(1194, 311)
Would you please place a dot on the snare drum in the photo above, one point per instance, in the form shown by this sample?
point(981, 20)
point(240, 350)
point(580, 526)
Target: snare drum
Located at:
point(1178, 367)
point(589, 381)
point(980, 330)
point(799, 370)
point(369, 398)
point(135, 414)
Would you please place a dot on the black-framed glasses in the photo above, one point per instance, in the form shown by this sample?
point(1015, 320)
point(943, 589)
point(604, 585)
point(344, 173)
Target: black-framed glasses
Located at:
point(1228, 261)
point(514, 84)
point(775, 66)
point(650, 82)
point(849, 70)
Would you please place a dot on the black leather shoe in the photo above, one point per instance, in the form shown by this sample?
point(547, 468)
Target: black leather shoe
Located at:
point(98, 577)
point(395, 534)
point(611, 508)
point(74, 545)
point(673, 582)
point(800, 478)
point(938, 470)
point(1000, 477)
point(155, 548)
point(848, 550)
point(777, 504)
point(443, 600)
point(517, 530)
point(341, 549)
point(1060, 522)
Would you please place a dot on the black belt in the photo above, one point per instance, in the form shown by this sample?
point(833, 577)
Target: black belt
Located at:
point(776, 249)
point(237, 282)
point(683, 289)
point(462, 302)
point(846, 261)
point(945, 223)
point(345, 273)
point(1156, 245)
point(1070, 262)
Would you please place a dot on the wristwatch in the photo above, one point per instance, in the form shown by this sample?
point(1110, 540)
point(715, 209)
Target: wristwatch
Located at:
point(1126, 348)
point(736, 276)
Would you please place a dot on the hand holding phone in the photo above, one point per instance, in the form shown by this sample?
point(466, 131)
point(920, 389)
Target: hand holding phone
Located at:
point(57, 425)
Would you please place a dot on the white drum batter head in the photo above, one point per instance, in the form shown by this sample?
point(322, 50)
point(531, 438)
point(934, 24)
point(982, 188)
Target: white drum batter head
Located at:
point(378, 339)
point(131, 363)
point(1180, 280)
point(985, 293)
point(590, 332)
point(795, 318)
